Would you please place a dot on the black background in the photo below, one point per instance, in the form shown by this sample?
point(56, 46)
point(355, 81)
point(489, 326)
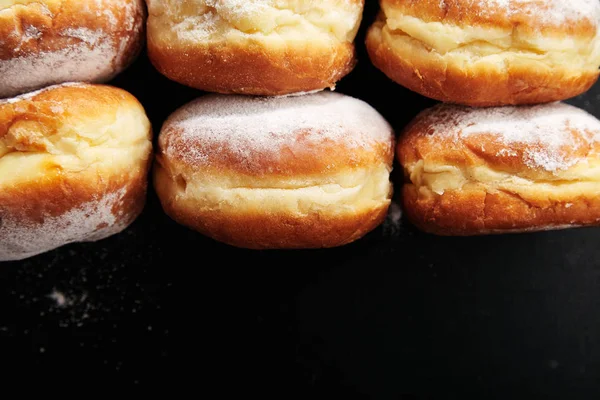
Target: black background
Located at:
point(399, 314)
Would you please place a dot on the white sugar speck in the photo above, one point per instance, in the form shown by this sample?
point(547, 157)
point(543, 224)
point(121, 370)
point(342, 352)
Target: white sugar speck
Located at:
point(395, 214)
point(59, 298)
point(393, 222)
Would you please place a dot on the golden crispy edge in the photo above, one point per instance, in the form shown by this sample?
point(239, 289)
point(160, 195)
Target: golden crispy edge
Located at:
point(430, 76)
point(267, 231)
point(252, 68)
point(481, 211)
point(59, 193)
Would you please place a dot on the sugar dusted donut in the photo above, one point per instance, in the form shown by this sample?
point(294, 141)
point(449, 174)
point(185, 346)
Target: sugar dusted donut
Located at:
point(489, 52)
point(260, 47)
point(276, 173)
point(73, 167)
point(494, 170)
point(45, 42)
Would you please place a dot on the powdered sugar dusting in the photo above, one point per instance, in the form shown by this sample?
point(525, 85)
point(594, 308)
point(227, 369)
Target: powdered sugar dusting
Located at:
point(241, 8)
point(216, 11)
point(215, 20)
point(91, 59)
point(546, 130)
point(549, 11)
point(89, 222)
point(255, 125)
point(85, 35)
point(88, 55)
point(30, 95)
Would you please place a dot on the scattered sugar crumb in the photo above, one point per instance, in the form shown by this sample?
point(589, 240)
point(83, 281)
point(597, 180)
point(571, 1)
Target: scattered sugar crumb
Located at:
point(395, 213)
point(393, 223)
point(59, 298)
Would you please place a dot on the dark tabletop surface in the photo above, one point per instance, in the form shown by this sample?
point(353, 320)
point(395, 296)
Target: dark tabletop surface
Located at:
point(399, 314)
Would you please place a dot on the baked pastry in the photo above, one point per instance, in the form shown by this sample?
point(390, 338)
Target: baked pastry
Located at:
point(73, 167)
point(46, 42)
point(259, 47)
point(276, 173)
point(489, 53)
point(509, 169)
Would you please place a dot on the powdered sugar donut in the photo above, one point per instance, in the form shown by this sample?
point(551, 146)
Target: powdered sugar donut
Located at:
point(264, 173)
point(73, 167)
point(507, 169)
point(45, 42)
point(259, 47)
point(489, 52)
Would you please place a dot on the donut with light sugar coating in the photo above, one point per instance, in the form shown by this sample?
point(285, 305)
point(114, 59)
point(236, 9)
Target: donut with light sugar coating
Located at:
point(74, 160)
point(255, 47)
point(276, 173)
point(489, 53)
point(47, 42)
point(473, 171)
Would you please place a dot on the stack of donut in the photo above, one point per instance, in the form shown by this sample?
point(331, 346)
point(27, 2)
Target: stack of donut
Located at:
point(74, 154)
point(525, 162)
point(265, 164)
point(273, 159)
point(261, 168)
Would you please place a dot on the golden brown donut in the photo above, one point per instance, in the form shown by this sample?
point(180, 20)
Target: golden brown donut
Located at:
point(476, 171)
point(73, 167)
point(260, 47)
point(276, 173)
point(489, 53)
point(44, 42)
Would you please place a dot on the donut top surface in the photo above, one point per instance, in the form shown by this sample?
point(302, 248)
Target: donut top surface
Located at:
point(70, 128)
point(309, 133)
point(211, 19)
point(546, 139)
point(580, 17)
